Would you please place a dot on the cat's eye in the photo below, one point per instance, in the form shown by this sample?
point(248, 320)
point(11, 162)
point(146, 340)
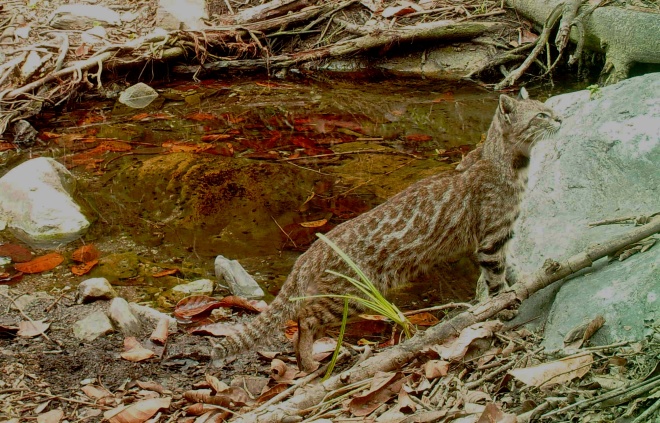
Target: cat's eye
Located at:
point(543, 115)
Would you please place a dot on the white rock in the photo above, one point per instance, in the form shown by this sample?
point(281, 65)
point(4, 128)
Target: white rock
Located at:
point(153, 316)
point(95, 289)
point(36, 206)
point(122, 316)
point(181, 14)
point(603, 163)
point(240, 282)
point(93, 326)
point(198, 287)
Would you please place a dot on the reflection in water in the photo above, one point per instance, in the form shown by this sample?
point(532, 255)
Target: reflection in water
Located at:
point(250, 168)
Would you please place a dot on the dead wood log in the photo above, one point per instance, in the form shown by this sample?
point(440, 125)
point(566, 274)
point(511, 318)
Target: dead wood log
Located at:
point(431, 31)
point(396, 357)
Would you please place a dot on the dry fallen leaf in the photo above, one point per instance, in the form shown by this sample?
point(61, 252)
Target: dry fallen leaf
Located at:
point(555, 372)
point(40, 264)
point(96, 392)
point(423, 319)
point(493, 414)
point(282, 373)
point(86, 253)
point(234, 301)
point(457, 348)
point(134, 351)
point(52, 416)
point(270, 393)
point(383, 387)
point(436, 368)
point(30, 329)
point(84, 268)
point(195, 305)
point(138, 412)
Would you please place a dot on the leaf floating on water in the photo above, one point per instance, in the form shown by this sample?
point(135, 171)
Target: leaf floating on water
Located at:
point(17, 253)
point(165, 272)
point(314, 223)
point(40, 264)
point(86, 253)
point(201, 116)
point(30, 329)
point(4, 146)
point(215, 137)
point(418, 138)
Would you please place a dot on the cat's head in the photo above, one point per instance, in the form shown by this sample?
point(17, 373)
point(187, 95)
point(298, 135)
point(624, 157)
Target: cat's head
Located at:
point(526, 120)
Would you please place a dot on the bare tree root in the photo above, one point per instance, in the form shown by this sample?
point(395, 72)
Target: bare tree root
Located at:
point(567, 11)
point(541, 43)
point(427, 32)
point(396, 357)
point(570, 9)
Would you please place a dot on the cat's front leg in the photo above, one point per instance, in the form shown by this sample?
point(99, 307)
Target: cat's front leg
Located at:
point(492, 261)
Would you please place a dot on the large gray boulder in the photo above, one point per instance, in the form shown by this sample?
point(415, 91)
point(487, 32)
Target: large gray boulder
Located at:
point(36, 205)
point(604, 163)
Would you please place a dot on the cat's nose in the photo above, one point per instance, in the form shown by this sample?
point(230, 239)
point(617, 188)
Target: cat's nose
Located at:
point(558, 119)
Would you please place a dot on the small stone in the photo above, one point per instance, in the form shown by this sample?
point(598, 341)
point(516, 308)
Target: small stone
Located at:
point(240, 282)
point(153, 316)
point(122, 315)
point(24, 133)
point(181, 14)
point(95, 289)
point(93, 326)
point(117, 266)
point(198, 287)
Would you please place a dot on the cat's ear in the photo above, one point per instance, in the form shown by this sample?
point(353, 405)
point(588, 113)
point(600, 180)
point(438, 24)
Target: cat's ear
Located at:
point(523, 94)
point(507, 104)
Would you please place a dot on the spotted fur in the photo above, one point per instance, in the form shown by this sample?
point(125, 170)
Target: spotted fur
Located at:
point(463, 212)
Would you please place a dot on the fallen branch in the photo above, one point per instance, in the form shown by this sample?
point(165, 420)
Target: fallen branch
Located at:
point(395, 357)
